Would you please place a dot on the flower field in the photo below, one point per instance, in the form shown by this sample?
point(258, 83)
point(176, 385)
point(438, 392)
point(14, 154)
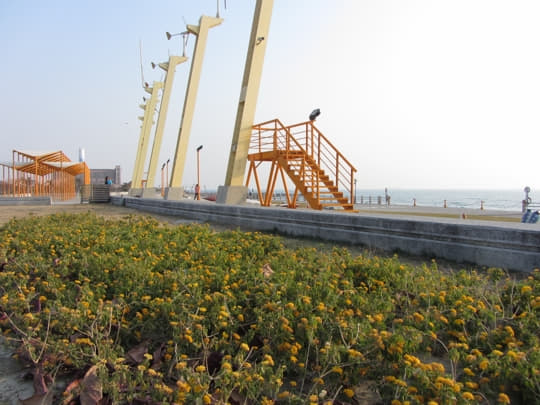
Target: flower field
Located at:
point(135, 311)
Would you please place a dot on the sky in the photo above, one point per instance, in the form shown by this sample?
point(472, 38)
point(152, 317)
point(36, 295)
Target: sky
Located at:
point(425, 94)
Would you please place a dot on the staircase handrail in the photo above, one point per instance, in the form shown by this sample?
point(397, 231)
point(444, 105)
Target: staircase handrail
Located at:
point(274, 141)
point(327, 156)
point(280, 139)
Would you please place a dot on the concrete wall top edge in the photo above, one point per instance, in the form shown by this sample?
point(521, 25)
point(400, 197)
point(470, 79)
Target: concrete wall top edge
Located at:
point(480, 244)
point(474, 232)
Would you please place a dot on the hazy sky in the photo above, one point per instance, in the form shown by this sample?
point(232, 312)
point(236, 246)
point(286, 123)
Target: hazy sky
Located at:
point(416, 94)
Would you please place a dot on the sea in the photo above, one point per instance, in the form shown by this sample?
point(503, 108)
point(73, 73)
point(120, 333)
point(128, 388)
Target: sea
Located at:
point(503, 200)
point(506, 200)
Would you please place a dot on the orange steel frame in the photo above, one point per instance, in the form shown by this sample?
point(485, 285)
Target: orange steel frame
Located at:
point(41, 174)
point(273, 142)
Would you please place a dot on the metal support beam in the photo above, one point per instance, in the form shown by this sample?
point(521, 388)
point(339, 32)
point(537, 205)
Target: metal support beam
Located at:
point(175, 191)
point(170, 68)
point(148, 121)
point(234, 190)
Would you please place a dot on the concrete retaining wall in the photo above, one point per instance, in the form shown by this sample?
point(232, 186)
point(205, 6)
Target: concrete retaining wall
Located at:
point(486, 244)
point(25, 201)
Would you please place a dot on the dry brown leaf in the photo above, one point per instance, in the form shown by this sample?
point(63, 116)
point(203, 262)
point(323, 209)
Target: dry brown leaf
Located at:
point(157, 356)
point(267, 270)
point(365, 393)
point(91, 388)
point(71, 392)
point(136, 355)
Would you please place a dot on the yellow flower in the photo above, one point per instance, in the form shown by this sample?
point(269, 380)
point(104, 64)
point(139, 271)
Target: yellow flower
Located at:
point(337, 369)
point(509, 330)
point(472, 385)
point(207, 399)
point(468, 396)
point(200, 369)
point(318, 380)
point(348, 392)
point(526, 289)
point(268, 360)
point(418, 317)
point(181, 365)
point(83, 341)
point(183, 386)
point(244, 347)
point(283, 395)
point(378, 317)
point(483, 365)
point(503, 398)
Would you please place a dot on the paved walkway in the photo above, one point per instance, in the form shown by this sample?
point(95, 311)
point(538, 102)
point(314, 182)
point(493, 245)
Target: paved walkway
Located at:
point(507, 219)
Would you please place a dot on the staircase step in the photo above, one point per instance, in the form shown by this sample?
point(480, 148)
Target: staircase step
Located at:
point(311, 180)
point(346, 207)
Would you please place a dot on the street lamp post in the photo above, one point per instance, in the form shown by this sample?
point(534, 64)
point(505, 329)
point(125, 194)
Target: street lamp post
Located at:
point(199, 172)
point(162, 182)
point(167, 178)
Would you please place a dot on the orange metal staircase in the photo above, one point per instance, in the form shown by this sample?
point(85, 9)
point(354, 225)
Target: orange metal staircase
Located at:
point(315, 167)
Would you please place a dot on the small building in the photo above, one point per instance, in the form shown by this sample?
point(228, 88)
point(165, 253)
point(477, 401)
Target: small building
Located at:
point(97, 176)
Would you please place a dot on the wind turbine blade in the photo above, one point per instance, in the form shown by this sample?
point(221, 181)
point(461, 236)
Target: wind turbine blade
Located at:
point(140, 59)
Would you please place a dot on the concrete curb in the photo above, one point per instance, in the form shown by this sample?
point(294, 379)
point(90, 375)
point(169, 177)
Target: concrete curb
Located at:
point(480, 244)
point(25, 201)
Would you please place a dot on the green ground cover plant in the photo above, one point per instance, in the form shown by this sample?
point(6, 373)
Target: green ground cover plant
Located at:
point(136, 311)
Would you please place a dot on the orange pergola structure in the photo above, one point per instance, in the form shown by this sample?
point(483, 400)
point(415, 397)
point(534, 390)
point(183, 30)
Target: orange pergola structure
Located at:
point(32, 173)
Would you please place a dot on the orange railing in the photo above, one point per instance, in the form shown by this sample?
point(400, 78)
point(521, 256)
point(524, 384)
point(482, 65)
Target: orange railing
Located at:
point(326, 155)
point(305, 138)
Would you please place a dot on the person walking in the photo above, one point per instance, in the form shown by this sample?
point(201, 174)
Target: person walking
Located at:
point(197, 192)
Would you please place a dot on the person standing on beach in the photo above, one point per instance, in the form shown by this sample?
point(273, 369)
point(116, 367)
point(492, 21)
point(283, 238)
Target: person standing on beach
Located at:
point(197, 192)
point(387, 197)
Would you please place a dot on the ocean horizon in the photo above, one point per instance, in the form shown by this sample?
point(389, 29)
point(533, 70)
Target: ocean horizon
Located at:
point(507, 200)
point(502, 199)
